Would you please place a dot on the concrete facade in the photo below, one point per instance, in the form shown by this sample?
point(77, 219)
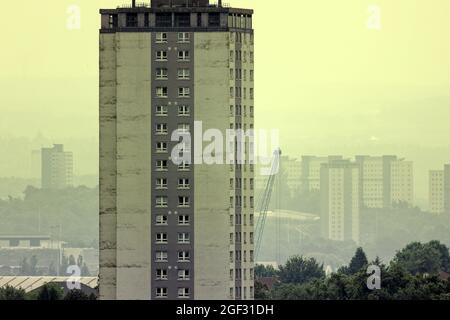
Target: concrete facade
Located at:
point(164, 228)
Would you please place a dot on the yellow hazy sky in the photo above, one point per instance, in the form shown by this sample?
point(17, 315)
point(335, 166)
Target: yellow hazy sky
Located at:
point(322, 76)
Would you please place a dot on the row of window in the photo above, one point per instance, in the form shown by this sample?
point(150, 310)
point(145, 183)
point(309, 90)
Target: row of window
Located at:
point(162, 202)
point(240, 92)
point(241, 237)
point(183, 55)
point(183, 293)
point(238, 111)
point(183, 183)
point(238, 292)
point(163, 111)
point(238, 274)
point(182, 74)
point(163, 92)
point(163, 165)
point(238, 219)
point(163, 129)
point(182, 274)
point(237, 74)
point(182, 238)
point(237, 201)
point(243, 56)
point(183, 256)
point(239, 182)
point(183, 37)
point(163, 220)
point(238, 256)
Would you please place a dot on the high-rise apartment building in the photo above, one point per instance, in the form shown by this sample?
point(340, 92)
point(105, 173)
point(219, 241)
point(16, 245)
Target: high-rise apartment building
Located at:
point(385, 180)
point(56, 168)
point(310, 171)
point(439, 190)
point(173, 230)
point(340, 200)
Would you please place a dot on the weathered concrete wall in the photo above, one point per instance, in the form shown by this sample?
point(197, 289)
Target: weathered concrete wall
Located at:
point(212, 181)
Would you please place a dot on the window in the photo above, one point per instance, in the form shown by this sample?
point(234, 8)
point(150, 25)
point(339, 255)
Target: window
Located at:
point(182, 19)
point(231, 256)
point(252, 75)
point(183, 275)
point(161, 128)
point(113, 21)
point(183, 55)
point(163, 19)
point(161, 256)
point(161, 37)
point(161, 202)
point(252, 183)
point(214, 19)
point(231, 238)
point(183, 293)
point(184, 37)
point(161, 55)
point(252, 202)
point(184, 256)
point(161, 147)
point(252, 258)
point(161, 274)
point(251, 111)
point(161, 74)
point(183, 220)
point(183, 183)
point(184, 127)
point(183, 111)
point(251, 238)
point(161, 111)
point(161, 92)
point(161, 183)
point(184, 92)
point(161, 238)
point(231, 92)
point(231, 74)
point(184, 74)
point(132, 20)
point(183, 201)
point(161, 292)
point(184, 167)
point(252, 93)
point(183, 238)
point(161, 220)
point(252, 57)
point(161, 165)
point(231, 56)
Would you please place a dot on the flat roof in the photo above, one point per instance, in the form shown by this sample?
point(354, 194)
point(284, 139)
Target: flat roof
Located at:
point(32, 283)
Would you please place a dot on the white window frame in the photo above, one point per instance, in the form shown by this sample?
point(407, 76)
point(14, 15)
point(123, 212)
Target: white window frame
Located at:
point(184, 55)
point(162, 274)
point(161, 202)
point(161, 293)
point(161, 183)
point(161, 165)
point(184, 167)
point(161, 147)
point(184, 238)
point(161, 220)
point(161, 238)
point(161, 55)
point(162, 256)
point(184, 37)
point(184, 201)
point(162, 74)
point(184, 293)
point(184, 111)
point(184, 92)
point(184, 183)
point(184, 275)
point(184, 220)
point(184, 256)
point(162, 111)
point(161, 129)
point(161, 37)
point(162, 92)
point(184, 73)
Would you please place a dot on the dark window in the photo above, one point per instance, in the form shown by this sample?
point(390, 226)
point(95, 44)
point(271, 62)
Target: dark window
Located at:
point(113, 21)
point(146, 19)
point(214, 19)
point(163, 20)
point(182, 19)
point(132, 20)
point(13, 243)
point(35, 243)
point(199, 19)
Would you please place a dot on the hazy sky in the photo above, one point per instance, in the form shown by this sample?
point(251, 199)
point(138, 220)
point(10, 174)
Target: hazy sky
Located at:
point(331, 84)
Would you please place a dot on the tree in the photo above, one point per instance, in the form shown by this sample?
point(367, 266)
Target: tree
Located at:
point(76, 295)
point(49, 292)
point(261, 291)
point(300, 270)
point(264, 271)
point(10, 293)
point(418, 258)
point(358, 262)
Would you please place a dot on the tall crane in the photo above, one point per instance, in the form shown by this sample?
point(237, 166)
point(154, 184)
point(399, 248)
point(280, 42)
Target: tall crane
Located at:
point(264, 201)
